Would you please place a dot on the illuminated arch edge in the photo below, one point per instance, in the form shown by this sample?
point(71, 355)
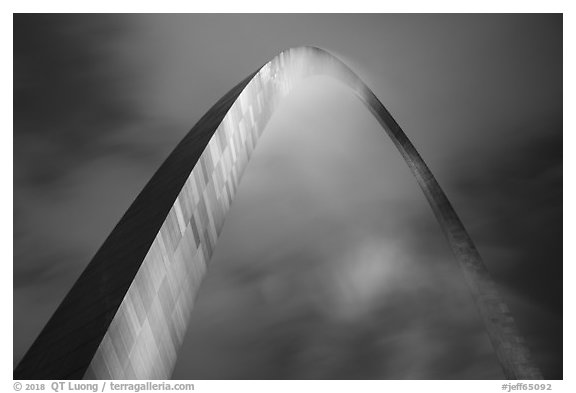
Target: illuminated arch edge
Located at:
point(126, 316)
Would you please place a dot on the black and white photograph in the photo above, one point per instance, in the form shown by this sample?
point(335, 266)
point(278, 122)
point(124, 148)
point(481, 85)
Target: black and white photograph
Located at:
point(314, 196)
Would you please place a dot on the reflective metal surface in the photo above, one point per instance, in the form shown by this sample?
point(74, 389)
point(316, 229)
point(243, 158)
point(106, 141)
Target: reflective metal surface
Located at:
point(126, 316)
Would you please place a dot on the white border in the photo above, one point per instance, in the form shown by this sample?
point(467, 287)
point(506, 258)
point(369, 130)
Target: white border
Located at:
point(302, 6)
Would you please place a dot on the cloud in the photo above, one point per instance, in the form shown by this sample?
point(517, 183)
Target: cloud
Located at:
point(513, 209)
point(331, 264)
point(72, 99)
point(78, 142)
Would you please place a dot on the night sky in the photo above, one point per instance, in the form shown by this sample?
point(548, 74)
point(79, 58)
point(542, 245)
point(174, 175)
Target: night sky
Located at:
point(330, 264)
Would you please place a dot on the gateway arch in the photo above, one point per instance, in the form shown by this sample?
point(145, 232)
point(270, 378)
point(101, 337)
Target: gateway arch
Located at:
point(126, 315)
